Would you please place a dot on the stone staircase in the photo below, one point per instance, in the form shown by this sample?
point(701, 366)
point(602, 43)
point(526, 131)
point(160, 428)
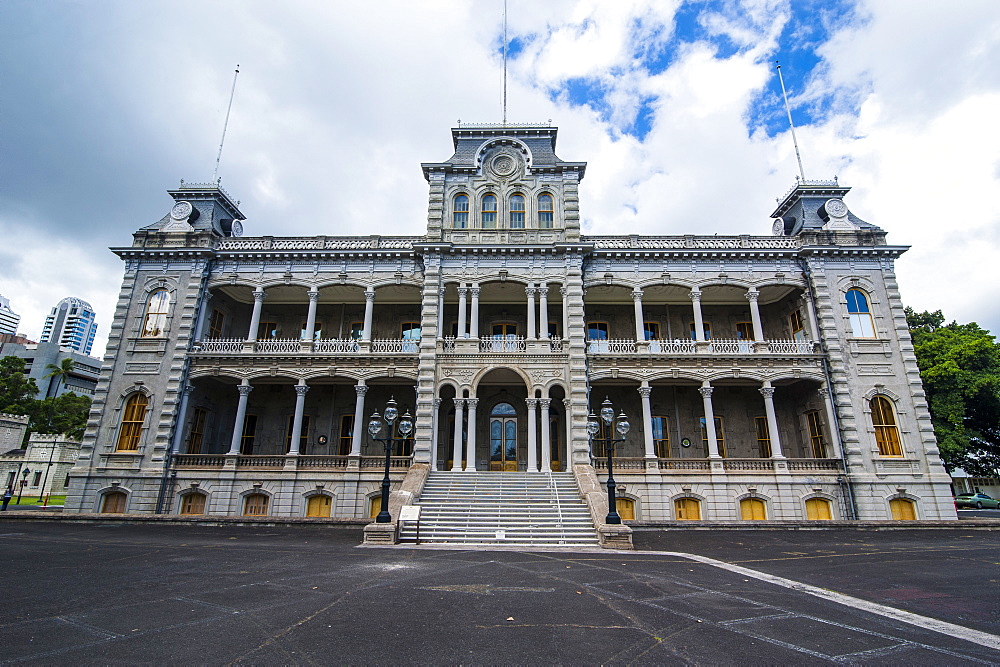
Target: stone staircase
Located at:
point(502, 509)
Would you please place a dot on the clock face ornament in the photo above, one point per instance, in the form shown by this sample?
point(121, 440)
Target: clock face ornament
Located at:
point(181, 210)
point(778, 228)
point(237, 228)
point(836, 208)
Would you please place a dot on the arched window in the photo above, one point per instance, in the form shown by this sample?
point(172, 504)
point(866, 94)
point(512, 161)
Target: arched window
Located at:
point(114, 502)
point(903, 509)
point(753, 509)
point(687, 509)
point(255, 504)
point(546, 212)
point(886, 431)
point(460, 213)
point(156, 314)
point(517, 212)
point(131, 425)
point(193, 503)
point(818, 509)
point(862, 324)
point(489, 212)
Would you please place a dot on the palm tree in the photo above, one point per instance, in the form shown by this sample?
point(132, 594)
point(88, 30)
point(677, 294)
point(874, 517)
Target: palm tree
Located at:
point(58, 374)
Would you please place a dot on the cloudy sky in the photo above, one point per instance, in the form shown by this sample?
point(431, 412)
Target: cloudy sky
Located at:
point(104, 105)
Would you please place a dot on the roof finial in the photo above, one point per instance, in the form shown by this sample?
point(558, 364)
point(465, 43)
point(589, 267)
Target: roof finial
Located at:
point(788, 110)
point(504, 62)
point(215, 176)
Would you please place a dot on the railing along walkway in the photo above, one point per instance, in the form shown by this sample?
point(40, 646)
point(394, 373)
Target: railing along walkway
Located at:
point(278, 461)
point(714, 346)
point(705, 465)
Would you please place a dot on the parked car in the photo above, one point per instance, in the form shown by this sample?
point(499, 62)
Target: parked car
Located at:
point(977, 500)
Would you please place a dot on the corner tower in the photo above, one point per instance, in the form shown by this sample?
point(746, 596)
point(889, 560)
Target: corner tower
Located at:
point(504, 184)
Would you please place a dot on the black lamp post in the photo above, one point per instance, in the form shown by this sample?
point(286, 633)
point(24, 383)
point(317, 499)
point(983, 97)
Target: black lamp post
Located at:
point(375, 426)
point(593, 428)
point(24, 483)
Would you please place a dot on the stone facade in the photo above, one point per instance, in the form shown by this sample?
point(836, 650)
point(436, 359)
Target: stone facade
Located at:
point(237, 367)
point(47, 460)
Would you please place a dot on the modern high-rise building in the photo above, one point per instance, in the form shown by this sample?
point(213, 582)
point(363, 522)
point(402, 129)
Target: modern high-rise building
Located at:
point(8, 318)
point(760, 377)
point(72, 324)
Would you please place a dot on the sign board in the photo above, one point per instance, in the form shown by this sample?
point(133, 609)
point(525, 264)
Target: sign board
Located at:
point(409, 513)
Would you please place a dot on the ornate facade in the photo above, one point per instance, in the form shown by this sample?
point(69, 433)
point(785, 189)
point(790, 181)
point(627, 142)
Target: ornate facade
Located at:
point(766, 377)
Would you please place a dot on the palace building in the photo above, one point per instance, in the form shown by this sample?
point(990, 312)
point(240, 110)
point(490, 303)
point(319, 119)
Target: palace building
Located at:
point(765, 377)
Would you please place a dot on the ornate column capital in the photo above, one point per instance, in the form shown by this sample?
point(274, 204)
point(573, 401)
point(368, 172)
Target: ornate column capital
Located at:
point(442, 290)
point(823, 392)
point(806, 297)
point(463, 290)
point(706, 392)
point(645, 392)
point(474, 291)
point(767, 392)
point(301, 389)
point(472, 402)
point(369, 295)
point(637, 295)
point(695, 295)
point(530, 291)
point(531, 402)
point(361, 389)
point(567, 402)
point(545, 403)
point(259, 295)
point(543, 290)
point(437, 402)
point(207, 296)
point(244, 389)
point(459, 402)
point(313, 295)
point(752, 294)
point(564, 291)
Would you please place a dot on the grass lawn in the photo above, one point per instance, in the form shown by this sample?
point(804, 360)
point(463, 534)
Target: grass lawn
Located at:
point(34, 500)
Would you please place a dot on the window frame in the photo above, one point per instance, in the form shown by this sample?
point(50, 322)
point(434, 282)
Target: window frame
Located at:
point(196, 435)
point(602, 325)
point(346, 440)
point(546, 216)
point(886, 430)
point(896, 511)
point(817, 438)
point(720, 435)
point(491, 222)
point(460, 216)
point(763, 432)
point(517, 217)
point(216, 324)
point(317, 330)
point(753, 503)
point(744, 331)
point(796, 325)
point(262, 504)
point(264, 327)
point(303, 436)
point(682, 505)
point(189, 499)
point(131, 425)
point(661, 446)
point(706, 329)
point(154, 322)
point(651, 330)
point(248, 436)
point(812, 504)
point(859, 318)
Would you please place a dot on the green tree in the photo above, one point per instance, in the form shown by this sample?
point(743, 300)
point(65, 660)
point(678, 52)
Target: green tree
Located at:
point(57, 375)
point(66, 414)
point(960, 368)
point(17, 391)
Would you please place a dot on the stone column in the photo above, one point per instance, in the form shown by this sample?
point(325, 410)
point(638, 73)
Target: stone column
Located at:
point(532, 434)
point(199, 327)
point(181, 416)
point(474, 317)
point(366, 335)
point(530, 291)
point(470, 441)
point(758, 330)
point(359, 418)
point(810, 307)
point(543, 311)
point(831, 422)
point(640, 328)
point(706, 390)
point(565, 313)
point(258, 305)
point(456, 454)
point(767, 391)
point(567, 432)
point(699, 328)
point(647, 420)
point(241, 412)
point(435, 423)
point(546, 435)
point(300, 407)
point(442, 332)
point(310, 332)
point(462, 292)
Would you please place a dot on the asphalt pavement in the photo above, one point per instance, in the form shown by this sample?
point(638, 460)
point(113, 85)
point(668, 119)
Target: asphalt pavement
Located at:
point(126, 593)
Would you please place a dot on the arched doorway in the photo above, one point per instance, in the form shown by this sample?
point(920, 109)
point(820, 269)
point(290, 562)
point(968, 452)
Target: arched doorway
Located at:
point(503, 437)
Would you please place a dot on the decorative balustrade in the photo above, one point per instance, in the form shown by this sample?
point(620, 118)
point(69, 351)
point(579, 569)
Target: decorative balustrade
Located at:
point(336, 346)
point(732, 346)
point(323, 461)
point(748, 464)
point(277, 345)
point(199, 460)
point(223, 345)
point(621, 463)
point(252, 461)
point(378, 462)
point(835, 465)
point(626, 463)
point(676, 346)
point(612, 346)
point(693, 242)
point(683, 464)
point(503, 345)
point(791, 346)
point(556, 344)
point(448, 346)
point(393, 346)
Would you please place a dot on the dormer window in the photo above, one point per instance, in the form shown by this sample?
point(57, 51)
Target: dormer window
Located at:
point(546, 214)
point(517, 212)
point(489, 212)
point(460, 212)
